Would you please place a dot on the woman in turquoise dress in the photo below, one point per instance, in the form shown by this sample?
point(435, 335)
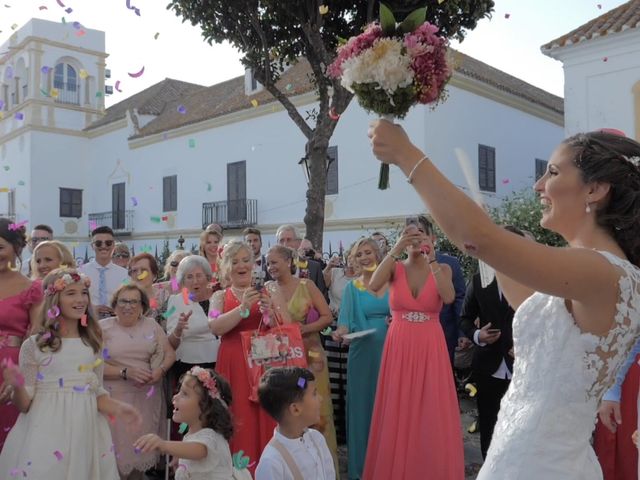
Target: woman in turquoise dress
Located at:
point(362, 309)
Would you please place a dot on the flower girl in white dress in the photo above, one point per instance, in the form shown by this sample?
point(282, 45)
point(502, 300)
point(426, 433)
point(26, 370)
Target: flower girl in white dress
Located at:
point(578, 308)
point(62, 431)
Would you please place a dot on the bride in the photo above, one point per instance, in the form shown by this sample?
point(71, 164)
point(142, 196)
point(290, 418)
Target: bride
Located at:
point(578, 308)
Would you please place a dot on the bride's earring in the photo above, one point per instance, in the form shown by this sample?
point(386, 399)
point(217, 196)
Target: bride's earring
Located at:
point(588, 209)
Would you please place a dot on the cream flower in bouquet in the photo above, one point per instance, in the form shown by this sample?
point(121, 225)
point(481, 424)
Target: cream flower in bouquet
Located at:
point(392, 67)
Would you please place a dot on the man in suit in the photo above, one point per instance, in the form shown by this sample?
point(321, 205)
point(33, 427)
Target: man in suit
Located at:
point(253, 237)
point(493, 359)
point(288, 236)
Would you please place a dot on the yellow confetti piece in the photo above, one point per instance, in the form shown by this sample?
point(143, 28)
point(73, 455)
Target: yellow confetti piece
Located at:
point(143, 275)
point(4, 189)
point(313, 354)
point(1, 115)
point(372, 268)
point(54, 93)
point(323, 9)
point(84, 74)
point(90, 366)
point(254, 102)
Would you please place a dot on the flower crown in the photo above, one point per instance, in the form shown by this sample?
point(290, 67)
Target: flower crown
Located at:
point(65, 280)
point(205, 378)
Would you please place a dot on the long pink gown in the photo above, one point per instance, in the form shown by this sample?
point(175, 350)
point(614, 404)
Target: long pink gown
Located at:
point(415, 432)
point(14, 322)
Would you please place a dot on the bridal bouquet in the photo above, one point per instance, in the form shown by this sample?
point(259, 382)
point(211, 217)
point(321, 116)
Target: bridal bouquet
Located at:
point(392, 67)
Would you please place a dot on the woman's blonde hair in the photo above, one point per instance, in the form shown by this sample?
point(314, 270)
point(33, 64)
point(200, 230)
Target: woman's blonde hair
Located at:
point(49, 336)
point(359, 243)
point(175, 255)
point(289, 254)
point(231, 249)
point(65, 256)
point(203, 240)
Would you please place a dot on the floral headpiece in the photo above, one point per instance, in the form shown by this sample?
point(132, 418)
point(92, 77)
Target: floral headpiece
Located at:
point(66, 280)
point(635, 161)
point(205, 378)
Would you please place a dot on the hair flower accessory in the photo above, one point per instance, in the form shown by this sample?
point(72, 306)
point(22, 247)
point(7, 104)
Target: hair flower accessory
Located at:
point(65, 280)
point(635, 161)
point(205, 378)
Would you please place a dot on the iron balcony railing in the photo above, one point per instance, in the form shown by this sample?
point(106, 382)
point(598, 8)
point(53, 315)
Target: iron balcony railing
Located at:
point(231, 213)
point(120, 221)
point(67, 92)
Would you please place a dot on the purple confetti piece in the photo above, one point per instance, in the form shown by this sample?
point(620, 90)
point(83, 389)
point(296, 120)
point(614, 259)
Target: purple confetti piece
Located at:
point(53, 312)
point(151, 336)
point(301, 382)
point(81, 389)
point(9, 72)
point(39, 377)
point(60, 382)
point(69, 10)
point(1, 104)
point(182, 109)
point(134, 200)
point(77, 25)
point(45, 70)
point(19, 116)
point(6, 429)
point(151, 392)
point(46, 336)
point(105, 353)
point(58, 455)
point(14, 472)
point(192, 297)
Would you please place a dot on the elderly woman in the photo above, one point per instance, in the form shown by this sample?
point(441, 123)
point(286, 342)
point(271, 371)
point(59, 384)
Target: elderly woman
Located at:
point(240, 312)
point(294, 298)
point(187, 317)
point(48, 256)
point(121, 255)
point(137, 356)
point(171, 267)
point(143, 270)
point(209, 242)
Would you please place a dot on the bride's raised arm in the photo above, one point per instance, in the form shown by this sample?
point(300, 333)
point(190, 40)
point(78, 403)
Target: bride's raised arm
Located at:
point(579, 274)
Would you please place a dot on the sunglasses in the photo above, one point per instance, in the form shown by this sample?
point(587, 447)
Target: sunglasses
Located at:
point(118, 255)
point(35, 240)
point(174, 264)
point(107, 243)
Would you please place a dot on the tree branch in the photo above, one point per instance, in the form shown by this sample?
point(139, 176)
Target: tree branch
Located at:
point(291, 110)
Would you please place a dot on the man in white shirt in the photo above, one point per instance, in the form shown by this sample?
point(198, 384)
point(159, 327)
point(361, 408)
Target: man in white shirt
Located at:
point(40, 233)
point(105, 275)
point(253, 237)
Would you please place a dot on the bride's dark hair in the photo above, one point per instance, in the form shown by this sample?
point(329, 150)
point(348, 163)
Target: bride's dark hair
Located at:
point(614, 159)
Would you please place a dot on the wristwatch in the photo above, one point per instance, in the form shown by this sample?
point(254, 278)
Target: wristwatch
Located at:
point(123, 373)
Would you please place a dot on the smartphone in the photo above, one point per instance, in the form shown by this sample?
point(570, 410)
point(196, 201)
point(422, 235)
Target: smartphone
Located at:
point(257, 279)
point(493, 331)
point(411, 221)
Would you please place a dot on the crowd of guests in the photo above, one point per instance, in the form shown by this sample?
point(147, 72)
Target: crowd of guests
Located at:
point(116, 347)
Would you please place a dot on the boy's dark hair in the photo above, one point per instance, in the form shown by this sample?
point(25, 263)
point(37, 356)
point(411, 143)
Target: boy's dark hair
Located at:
point(251, 230)
point(102, 229)
point(213, 413)
point(514, 229)
point(280, 387)
point(44, 227)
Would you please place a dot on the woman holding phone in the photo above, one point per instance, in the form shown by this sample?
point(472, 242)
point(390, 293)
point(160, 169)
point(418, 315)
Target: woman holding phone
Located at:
point(415, 427)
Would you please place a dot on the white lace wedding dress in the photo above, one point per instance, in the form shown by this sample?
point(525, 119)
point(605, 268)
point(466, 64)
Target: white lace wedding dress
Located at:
point(560, 374)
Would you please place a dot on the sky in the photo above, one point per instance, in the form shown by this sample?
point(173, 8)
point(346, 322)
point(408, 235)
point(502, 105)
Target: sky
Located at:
point(510, 44)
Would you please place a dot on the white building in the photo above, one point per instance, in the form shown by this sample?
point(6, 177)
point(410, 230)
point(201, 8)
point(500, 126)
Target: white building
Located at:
point(601, 62)
point(167, 160)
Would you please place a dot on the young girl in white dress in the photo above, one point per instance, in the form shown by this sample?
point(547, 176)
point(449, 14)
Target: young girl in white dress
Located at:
point(203, 404)
point(577, 308)
point(62, 431)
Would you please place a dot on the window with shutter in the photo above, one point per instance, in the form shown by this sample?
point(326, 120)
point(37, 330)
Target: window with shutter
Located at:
point(487, 168)
point(170, 193)
point(70, 202)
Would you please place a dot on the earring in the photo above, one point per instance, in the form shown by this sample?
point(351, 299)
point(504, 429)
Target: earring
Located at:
point(588, 209)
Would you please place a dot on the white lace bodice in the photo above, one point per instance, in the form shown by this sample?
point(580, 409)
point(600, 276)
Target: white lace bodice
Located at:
point(560, 374)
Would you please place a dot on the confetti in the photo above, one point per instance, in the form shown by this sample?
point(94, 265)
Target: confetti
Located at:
point(83, 320)
point(60, 382)
point(143, 275)
point(21, 183)
point(151, 336)
point(326, 332)
point(39, 377)
point(153, 303)
point(45, 70)
point(54, 93)
point(53, 312)
point(98, 94)
point(505, 181)
point(254, 102)
point(183, 428)
point(165, 218)
point(169, 312)
point(605, 59)
point(185, 296)
point(19, 116)
point(57, 453)
point(81, 33)
point(192, 143)
point(134, 200)
point(81, 389)
point(182, 109)
point(69, 10)
point(289, 86)
point(112, 418)
point(599, 7)
point(76, 25)
point(151, 392)
point(155, 219)
point(301, 382)
point(83, 74)
point(209, 187)
point(117, 87)
point(135, 9)
point(137, 74)
point(214, 313)
point(14, 26)
point(323, 9)
point(42, 7)
point(155, 37)
point(174, 284)
point(313, 354)
point(333, 115)
point(93, 225)
point(137, 450)
point(192, 297)
point(105, 353)
point(507, 15)
point(44, 93)
point(17, 226)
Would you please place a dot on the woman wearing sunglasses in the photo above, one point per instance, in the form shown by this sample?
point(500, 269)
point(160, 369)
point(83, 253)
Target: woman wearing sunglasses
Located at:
point(144, 271)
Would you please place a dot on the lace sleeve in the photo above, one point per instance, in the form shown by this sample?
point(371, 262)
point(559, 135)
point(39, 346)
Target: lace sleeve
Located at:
point(29, 365)
point(217, 301)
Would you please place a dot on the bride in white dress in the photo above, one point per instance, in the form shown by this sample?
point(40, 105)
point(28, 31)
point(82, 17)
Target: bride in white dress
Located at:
point(578, 308)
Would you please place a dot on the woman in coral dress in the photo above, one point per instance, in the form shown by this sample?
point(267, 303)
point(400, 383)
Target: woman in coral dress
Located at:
point(294, 298)
point(239, 311)
point(415, 431)
point(20, 303)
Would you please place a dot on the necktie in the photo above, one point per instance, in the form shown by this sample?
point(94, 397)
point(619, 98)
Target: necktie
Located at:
point(102, 286)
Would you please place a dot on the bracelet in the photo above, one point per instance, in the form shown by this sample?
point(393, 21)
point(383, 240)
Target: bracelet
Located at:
point(244, 313)
point(433, 261)
point(395, 257)
point(123, 373)
point(436, 271)
point(176, 336)
point(413, 170)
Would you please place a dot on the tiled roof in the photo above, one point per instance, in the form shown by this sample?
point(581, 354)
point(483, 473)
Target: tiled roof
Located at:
point(617, 20)
point(151, 101)
point(227, 97)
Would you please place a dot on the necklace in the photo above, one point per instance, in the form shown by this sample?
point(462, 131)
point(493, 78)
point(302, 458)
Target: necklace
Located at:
point(129, 329)
point(235, 291)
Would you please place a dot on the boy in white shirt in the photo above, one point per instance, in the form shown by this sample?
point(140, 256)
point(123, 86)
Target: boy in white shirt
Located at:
point(296, 452)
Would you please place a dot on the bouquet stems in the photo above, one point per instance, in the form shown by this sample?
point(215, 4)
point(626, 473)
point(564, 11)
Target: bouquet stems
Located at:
point(383, 178)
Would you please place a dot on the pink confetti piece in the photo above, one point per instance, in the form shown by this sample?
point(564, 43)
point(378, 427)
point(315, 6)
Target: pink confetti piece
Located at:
point(81, 33)
point(333, 115)
point(58, 455)
point(17, 226)
point(83, 320)
point(214, 313)
point(185, 296)
point(182, 109)
point(151, 392)
point(134, 201)
point(117, 86)
point(14, 472)
point(93, 225)
point(53, 312)
point(6, 429)
point(112, 418)
point(505, 181)
point(136, 74)
point(174, 284)
point(153, 303)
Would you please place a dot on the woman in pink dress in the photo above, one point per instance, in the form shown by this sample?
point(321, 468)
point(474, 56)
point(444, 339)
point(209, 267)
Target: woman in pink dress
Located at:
point(20, 300)
point(415, 431)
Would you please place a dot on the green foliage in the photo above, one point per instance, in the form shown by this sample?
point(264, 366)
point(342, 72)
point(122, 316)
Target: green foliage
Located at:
point(164, 255)
point(376, 100)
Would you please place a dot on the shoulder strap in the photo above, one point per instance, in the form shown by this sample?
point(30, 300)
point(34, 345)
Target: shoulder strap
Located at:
point(288, 459)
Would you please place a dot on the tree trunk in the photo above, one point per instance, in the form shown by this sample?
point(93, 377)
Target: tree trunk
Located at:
point(314, 214)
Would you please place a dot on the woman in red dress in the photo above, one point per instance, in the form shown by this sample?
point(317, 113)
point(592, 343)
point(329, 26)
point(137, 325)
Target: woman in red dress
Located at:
point(415, 430)
point(239, 311)
point(19, 306)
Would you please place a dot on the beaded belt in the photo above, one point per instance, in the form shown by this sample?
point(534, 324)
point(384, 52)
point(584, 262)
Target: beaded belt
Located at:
point(416, 317)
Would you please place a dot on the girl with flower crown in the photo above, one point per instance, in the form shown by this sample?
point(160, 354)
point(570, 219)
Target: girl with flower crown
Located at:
point(62, 431)
point(202, 403)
